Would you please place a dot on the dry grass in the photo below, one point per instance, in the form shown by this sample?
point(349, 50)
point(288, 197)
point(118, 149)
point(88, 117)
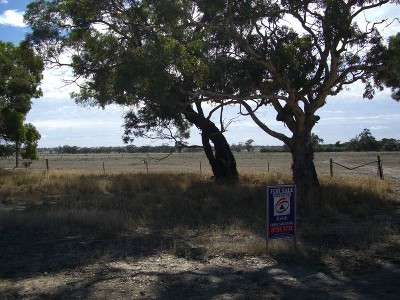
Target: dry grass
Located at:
point(66, 233)
point(359, 196)
point(227, 219)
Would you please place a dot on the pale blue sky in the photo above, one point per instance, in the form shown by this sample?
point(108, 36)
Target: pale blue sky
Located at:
point(61, 122)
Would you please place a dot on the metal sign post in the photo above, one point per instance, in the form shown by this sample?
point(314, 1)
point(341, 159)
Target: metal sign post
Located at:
point(281, 212)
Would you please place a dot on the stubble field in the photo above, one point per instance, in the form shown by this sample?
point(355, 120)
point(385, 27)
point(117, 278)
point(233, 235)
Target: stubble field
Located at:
point(253, 162)
point(81, 231)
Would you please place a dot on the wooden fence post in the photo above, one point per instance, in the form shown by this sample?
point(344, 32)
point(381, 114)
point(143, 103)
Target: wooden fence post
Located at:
point(380, 170)
point(104, 168)
point(200, 167)
point(331, 167)
point(47, 164)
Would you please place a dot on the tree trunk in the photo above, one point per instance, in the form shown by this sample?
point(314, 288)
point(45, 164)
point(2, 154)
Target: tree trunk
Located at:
point(17, 154)
point(222, 161)
point(304, 173)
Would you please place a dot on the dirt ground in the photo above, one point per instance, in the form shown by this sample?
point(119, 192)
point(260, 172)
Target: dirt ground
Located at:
point(160, 264)
point(136, 267)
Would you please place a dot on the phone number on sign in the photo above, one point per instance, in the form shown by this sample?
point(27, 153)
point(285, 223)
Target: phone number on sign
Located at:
point(281, 229)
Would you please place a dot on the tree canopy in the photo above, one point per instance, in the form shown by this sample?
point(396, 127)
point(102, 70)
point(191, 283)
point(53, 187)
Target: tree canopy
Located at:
point(390, 76)
point(363, 142)
point(20, 77)
point(168, 57)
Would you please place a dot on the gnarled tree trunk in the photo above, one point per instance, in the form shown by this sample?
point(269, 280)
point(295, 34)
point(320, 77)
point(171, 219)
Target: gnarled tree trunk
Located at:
point(222, 161)
point(304, 173)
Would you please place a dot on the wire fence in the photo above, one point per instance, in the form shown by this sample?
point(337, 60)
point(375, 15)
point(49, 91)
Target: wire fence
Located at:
point(377, 162)
point(352, 164)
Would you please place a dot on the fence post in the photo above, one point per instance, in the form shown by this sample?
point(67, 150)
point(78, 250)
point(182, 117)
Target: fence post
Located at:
point(380, 171)
point(104, 168)
point(268, 167)
point(47, 164)
point(200, 167)
point(331, 167)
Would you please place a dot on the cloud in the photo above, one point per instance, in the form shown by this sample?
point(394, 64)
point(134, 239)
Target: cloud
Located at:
point(3, 1)
point(380, 118)
point(56, 124)
point(12, 18)
point(379, 127)
point(332, 111)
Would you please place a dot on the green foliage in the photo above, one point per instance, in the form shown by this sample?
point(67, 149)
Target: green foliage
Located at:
point(249, 145)
point(6, 150)
point(68, 149)
point(363, 142)
point(237, 147)
point(389, 145)
point(20, 76)
point(316, 141)
point(12, 125)
point(264, 150)
point(391, 75)
point(31, 138)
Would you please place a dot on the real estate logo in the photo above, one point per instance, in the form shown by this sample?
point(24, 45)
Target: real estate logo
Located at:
point(281, 206)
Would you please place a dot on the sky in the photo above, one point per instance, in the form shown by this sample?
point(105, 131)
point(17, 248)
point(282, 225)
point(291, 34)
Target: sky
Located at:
point(61, 122)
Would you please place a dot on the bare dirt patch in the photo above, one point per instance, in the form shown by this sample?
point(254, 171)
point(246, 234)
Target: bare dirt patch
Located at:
point(137, 267)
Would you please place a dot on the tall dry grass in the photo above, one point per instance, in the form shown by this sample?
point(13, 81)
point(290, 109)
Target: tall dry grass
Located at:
point(228, 218)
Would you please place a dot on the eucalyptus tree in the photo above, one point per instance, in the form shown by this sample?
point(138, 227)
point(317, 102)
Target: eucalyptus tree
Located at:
point(364, 141)
point(308, 50)
point(31, 138)
point(121, 54)
point(20, 77)
point(288, 56)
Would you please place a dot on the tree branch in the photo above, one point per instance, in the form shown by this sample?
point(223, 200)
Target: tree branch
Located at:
point(262, 125)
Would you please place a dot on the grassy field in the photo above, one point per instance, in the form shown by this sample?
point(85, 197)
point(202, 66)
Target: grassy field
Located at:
point(75, 232)
point(254, 162)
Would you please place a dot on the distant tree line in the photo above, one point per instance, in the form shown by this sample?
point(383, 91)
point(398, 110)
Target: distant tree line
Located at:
point(366, 142)
point(66, 149)
point(362, 142)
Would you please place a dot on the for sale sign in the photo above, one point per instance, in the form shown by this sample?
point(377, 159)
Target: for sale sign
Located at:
point(281, 211)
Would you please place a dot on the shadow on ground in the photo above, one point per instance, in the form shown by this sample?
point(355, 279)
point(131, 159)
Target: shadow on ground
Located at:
point(157, 263)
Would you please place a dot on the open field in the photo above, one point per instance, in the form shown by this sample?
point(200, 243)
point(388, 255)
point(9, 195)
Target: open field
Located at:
point(77, 233)
point(255, 162)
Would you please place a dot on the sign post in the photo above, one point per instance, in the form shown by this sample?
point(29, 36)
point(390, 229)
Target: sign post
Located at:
point(281, 212)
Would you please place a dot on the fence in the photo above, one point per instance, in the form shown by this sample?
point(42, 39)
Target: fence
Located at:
point(153, 163)
point(378, 162)
point(198, 163)
point(116, 163)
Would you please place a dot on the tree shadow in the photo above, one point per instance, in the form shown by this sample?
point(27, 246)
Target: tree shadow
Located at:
point(27, 253)
point(221, 282)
